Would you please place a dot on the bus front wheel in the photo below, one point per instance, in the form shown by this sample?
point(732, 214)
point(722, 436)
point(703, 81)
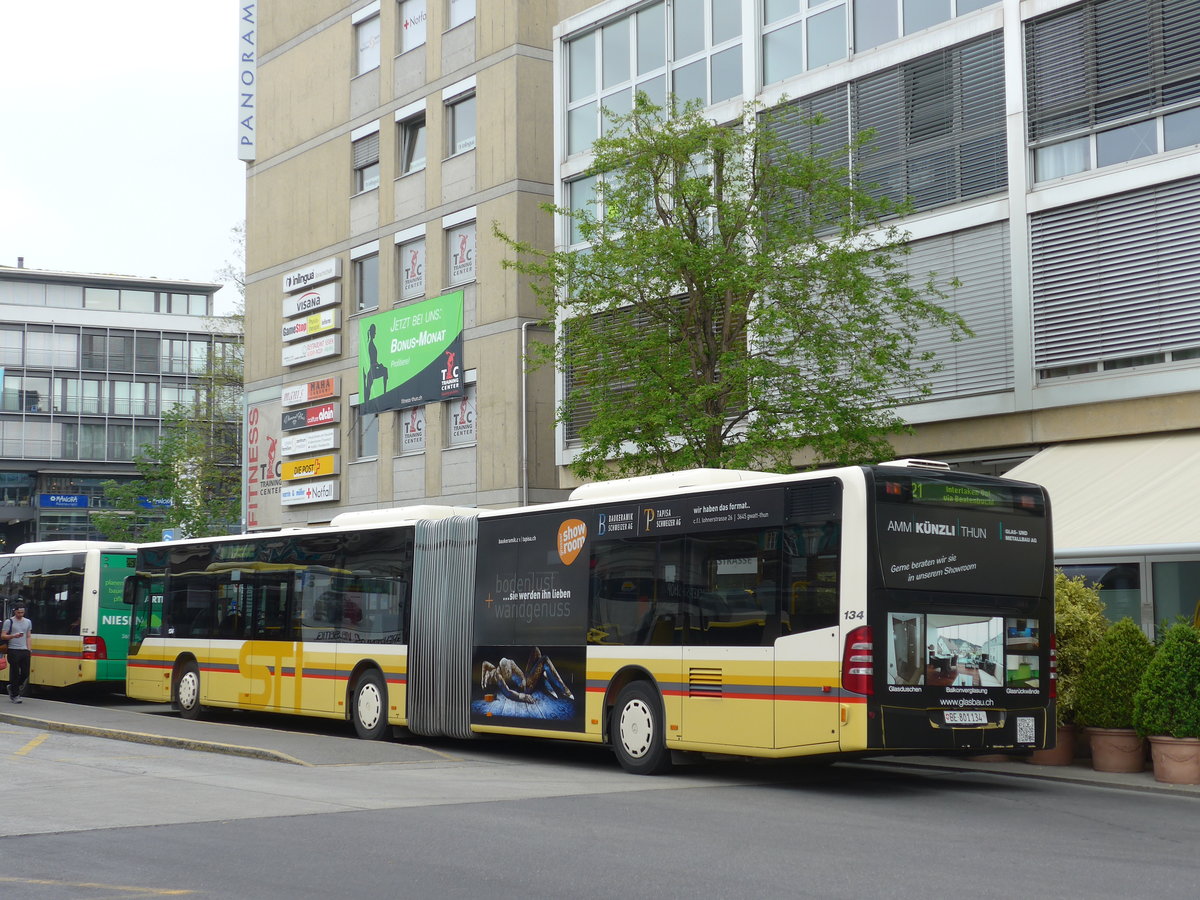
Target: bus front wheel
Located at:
point(187, 691)
point(637, 731)
point(369, 706)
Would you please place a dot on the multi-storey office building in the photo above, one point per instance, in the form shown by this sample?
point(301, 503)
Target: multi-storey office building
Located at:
point(1049, 147)
point(1051, 151)
point(90, 363)
point(387, 139)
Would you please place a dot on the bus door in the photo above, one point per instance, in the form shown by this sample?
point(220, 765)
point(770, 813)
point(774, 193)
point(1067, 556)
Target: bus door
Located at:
point(112, 616)
point(808, 651)
point(269, 656)
point(732, 613)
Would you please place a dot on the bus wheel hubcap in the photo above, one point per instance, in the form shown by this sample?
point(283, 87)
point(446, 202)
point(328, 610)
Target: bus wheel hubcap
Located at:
point(637, 728)
point(189, 690)
point(369, 705)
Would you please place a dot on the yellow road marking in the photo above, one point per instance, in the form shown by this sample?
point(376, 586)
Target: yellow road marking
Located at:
point(32, 744)
point(153, 892)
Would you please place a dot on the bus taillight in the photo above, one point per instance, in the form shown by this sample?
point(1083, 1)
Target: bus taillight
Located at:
point(1053, 667)
point(94, 648)
point(858, 662)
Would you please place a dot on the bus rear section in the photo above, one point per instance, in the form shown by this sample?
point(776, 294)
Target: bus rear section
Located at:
point(72, 591)
point(956, 650)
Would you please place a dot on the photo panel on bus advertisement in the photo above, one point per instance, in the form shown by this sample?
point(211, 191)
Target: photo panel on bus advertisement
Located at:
point(963, 651)
point(966, 542)
point(529, 666)
point(411, 355)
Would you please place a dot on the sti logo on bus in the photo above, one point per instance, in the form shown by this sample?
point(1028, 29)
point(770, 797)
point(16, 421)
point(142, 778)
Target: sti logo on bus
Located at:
point(571, 535)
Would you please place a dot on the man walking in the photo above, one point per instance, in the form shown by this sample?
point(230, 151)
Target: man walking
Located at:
point(18, 631)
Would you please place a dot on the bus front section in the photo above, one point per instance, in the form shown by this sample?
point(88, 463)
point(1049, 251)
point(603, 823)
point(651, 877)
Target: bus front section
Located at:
point(957, 652)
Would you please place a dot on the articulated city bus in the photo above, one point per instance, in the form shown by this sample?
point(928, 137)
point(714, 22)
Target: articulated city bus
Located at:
point(73, 592)
point(867, 610)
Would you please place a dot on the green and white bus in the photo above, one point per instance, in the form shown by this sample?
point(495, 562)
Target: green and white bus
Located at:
point(72, 591)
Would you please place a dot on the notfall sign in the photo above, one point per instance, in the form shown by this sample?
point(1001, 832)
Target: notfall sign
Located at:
point(310, 492)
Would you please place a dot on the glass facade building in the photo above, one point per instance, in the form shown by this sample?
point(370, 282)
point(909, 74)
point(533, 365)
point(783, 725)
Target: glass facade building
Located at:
point(89, 366)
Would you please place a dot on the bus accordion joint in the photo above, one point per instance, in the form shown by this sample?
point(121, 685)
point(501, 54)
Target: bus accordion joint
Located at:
point(858, 662)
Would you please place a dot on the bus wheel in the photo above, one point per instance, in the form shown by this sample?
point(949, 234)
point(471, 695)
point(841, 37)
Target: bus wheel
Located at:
point(369, 706)
point(637, 731)
point(187, 691)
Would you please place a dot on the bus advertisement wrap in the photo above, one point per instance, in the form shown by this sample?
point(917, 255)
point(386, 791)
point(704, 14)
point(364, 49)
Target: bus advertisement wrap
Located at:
point(531, 622)
point(412, 355)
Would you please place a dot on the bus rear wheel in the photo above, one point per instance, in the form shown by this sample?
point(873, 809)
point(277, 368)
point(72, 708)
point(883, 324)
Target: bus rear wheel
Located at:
point(637, 731)
point(368, 706)
point(187, 691)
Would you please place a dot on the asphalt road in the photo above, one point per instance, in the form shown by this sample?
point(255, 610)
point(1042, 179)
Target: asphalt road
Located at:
point(83, 818)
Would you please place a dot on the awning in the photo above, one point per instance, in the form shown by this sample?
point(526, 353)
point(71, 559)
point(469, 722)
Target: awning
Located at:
point(1125, 492)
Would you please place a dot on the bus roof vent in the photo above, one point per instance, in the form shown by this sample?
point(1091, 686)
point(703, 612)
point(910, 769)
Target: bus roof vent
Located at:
point(394, 515)
point(665, 481)
point(918, 464)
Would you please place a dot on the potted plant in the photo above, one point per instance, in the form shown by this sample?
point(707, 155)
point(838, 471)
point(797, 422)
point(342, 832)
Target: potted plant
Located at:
point(1166, 707)
point(1079, 624)
point(1104, 697)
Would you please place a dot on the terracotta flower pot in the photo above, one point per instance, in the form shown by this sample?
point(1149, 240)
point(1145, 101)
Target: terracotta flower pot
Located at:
point(1117, 750)
point(1176, 760)
point(1063, 753)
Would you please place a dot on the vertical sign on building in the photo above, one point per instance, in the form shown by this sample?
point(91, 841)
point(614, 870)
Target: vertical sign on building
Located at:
point(247, 76)
point(264, 466)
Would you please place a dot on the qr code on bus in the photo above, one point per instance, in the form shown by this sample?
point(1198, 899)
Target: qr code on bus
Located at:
point(1025, 730)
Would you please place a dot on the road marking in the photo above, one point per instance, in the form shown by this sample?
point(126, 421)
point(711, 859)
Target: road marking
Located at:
point(32, 744)
point(152, 892)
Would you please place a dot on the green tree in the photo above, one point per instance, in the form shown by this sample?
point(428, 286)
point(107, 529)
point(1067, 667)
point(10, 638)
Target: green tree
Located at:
point(190, 480)
point(736, 301)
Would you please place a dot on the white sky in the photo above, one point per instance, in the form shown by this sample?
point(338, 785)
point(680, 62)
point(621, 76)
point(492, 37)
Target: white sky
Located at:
point(118, 137)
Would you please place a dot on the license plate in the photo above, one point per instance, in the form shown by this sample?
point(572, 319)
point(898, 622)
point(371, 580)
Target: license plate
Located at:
point(966, 717)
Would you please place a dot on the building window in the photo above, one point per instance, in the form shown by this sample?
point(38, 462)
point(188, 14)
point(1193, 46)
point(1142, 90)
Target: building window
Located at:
point(366, 434)
point(462, 419)
point(11, 347)
point(1109, 83)
point(460, 253)
point(366, 163)
point(101, 298)
point(460, 124)
point(411, 260)
point(366, 282)
point(692, 49)
point(413, 16)
point(461, 11)
point(938, 125)
point(410, 430)
point(412, 144)
point(801, 36)
point(366, 44)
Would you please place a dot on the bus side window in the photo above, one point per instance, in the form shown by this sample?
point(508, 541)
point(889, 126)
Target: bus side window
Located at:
point(812, 555)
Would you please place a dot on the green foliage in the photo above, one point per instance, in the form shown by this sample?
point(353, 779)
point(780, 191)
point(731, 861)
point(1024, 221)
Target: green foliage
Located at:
point(1079, 624)
point(1167, 701)
point(737, 301)
point(1111, 676)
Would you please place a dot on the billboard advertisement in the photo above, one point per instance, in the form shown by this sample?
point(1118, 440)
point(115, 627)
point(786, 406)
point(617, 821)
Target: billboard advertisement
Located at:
point(412, 355)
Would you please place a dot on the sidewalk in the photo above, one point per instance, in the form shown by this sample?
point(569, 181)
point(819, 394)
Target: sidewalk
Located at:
point(299, 748)
point(1080, 772)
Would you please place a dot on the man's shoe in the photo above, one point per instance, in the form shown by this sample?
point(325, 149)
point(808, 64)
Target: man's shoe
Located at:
point(15, 699)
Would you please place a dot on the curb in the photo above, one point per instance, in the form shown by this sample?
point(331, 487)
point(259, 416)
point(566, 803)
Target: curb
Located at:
point(158, 740)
